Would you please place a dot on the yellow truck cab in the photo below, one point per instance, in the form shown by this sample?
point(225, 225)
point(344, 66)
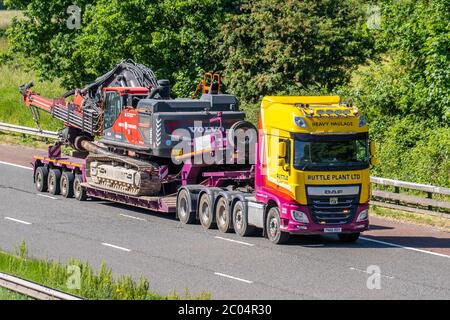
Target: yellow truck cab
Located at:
point(312, 170)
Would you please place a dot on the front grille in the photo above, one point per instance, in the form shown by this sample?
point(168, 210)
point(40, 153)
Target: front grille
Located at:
point(336, 212)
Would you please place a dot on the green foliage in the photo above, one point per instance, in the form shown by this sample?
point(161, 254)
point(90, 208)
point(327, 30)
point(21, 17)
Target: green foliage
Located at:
point(99, 284)
point(412, 149)
point(172, 37)
point(413, 74)
point(275, 47)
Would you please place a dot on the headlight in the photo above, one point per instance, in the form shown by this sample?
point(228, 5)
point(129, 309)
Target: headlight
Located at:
point(363, 215)
point(299, 216)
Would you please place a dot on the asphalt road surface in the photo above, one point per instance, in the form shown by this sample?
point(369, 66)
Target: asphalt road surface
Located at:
point(413, 261)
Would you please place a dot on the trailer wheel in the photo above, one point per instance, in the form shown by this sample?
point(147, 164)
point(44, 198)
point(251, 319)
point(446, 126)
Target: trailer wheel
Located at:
point(223, 216)
point(240, 220)
point(40, 179)
point(67, 184)
point(54, 181)
point(273, 224)
point(78, 191)
point(184, 208)
point(205, 213)
point(348, 237)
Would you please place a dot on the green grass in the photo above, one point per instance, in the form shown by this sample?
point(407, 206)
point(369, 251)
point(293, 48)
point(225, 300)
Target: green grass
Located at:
point(14, 73)
point(6, 294)
point(416, 218)
point(98, 284)
point(12, 108)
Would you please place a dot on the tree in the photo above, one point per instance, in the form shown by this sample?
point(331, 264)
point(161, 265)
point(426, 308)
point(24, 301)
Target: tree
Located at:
point(413, 74)
point(289, 46)
point(173, 37)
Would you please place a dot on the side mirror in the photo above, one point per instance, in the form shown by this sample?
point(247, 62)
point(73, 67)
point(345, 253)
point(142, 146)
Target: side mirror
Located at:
point(373, 154)
point(282, 150)
point(282, 162)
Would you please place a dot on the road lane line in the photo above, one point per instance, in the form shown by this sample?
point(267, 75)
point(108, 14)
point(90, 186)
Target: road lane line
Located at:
point(407, 248)
point(231, 240)
point(15, 165)
point(46, 196)
point(115, 247)
point(17, 220)
point(364, 271)
point(136, 218)
point(231, 277)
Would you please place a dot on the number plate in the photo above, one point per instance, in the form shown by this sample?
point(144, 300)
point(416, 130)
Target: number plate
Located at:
point(332, 230)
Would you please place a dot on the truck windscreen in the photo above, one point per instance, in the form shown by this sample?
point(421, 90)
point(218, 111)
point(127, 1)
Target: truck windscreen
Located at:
point(338, 153)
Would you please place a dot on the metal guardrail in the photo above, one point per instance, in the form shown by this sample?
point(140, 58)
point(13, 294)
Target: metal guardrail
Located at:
point(406, 202)
point(32, 289)
point(27, 130)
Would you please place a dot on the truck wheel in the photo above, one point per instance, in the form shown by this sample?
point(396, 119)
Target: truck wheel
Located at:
point(67, 184)
point(78, 191)
point(184, 208)
point(348, 237)
point(205, 213)
point(240, 220)
point(273, 224)
point(223, 216)
point(54, 181)
point(41, 178)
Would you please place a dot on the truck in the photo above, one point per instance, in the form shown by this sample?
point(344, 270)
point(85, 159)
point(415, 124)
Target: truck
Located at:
point(304, 170)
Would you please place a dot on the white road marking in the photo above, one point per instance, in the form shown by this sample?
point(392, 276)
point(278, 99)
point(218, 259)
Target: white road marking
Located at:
point(115, 247)
point(364, 271)
point(407, 248)
point(127, 216)
point(231, 240)
point(46, 196)
point(17, 220)
point(231, 277)
point(15, 165)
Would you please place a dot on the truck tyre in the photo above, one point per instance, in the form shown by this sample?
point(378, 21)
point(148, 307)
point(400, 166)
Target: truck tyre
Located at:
point(184, 208)
point(205, 211)
point(78, 190)
point(240, 220)
point(67, 184)
point(54, 181)
point(41, 178)
point(223, 216)
point(273, 224)
point(348, 237)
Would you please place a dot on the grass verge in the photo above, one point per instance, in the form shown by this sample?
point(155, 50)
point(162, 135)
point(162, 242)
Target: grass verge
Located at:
point(98, 284)
point(411, 217)
point(6, 294)
point(14, 73)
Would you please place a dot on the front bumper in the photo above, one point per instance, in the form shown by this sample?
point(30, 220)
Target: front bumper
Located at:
point(288, 224)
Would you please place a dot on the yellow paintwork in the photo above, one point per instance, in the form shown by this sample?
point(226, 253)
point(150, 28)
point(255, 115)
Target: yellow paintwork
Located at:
point(279, 113)
point(277, 122)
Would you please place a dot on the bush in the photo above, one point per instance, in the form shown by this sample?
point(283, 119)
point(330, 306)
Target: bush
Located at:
point(413, 150)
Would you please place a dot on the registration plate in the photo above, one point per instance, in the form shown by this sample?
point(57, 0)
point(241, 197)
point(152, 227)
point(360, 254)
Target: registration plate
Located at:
point(332, 230)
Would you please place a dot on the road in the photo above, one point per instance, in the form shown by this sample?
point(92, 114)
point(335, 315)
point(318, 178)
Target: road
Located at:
point(414, 261)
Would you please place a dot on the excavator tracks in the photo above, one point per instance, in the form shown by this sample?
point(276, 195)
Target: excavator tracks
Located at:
point(123, 174)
